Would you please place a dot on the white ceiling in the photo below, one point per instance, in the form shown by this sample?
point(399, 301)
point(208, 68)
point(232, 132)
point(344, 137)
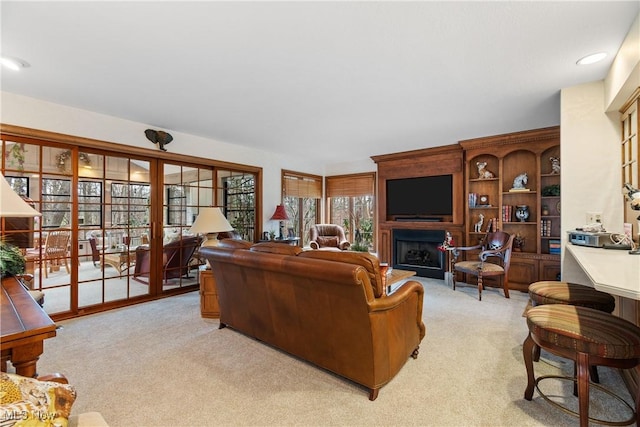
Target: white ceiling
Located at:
point(333, 80)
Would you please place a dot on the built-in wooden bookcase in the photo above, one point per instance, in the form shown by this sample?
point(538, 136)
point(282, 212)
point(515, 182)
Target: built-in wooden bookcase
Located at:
point(494, 197)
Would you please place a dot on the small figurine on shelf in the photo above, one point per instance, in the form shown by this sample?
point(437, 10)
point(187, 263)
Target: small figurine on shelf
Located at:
point(447, 244)
point(518, 243)
point(519, 182)
point(555, 165)
point(478, 225)
point(483, 172)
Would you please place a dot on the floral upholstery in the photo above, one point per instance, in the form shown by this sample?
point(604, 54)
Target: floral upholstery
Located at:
point(30, 402)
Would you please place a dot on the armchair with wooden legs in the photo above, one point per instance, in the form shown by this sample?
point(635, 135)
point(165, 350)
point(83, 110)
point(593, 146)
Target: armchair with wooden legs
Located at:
point(496, 245)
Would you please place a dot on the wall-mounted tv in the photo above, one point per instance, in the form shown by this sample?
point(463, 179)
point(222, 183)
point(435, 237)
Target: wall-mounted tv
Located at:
point(427, 197)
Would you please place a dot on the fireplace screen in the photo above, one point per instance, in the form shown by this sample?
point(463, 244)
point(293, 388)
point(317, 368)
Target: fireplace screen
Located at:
point(417, 250)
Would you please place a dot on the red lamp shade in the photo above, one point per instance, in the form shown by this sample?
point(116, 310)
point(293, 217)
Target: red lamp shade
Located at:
point(280, 214)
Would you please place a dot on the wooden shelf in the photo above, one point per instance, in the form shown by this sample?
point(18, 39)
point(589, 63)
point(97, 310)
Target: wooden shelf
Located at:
point(509, 156)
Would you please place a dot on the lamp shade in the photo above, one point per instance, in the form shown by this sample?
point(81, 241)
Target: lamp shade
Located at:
point(11, 204)
point(280, 213)
point(210, 220)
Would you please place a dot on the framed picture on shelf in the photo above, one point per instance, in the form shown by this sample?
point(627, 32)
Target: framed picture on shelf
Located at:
point(483, 200)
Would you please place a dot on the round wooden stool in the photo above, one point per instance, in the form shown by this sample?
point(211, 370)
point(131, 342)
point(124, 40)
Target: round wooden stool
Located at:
point(554, 292)
point(550, 292)
point(588, 337)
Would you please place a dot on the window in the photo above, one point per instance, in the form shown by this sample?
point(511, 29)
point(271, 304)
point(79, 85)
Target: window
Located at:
point(90, 204)
point(130, 204)
point(239, 199)
point(176, 205)
point(351, 204)
point(301, 197)
point(56, 203)
point(19, 184)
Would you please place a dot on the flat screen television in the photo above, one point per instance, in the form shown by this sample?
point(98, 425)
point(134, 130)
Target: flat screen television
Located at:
point(427, 197)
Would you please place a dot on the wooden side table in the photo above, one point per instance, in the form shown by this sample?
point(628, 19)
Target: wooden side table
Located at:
point(209, 307)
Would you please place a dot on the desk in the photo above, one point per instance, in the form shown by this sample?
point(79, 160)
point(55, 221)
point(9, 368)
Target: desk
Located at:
point(396, 275)
point(24, 328)
point(608, 270)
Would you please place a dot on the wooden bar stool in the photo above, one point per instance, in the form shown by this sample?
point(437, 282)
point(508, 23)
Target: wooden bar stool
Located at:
point(550, 292)
point(587, 336)
point(554, 292)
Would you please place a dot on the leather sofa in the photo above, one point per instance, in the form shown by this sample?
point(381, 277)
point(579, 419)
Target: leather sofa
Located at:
point(328, 308)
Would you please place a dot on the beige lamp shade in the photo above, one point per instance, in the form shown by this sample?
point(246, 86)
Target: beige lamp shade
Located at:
point(11, 204)
point(210, 221)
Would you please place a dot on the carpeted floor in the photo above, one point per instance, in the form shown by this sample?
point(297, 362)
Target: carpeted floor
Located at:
point(161, 364)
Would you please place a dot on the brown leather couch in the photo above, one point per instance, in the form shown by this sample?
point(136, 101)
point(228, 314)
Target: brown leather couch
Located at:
point(328, 308)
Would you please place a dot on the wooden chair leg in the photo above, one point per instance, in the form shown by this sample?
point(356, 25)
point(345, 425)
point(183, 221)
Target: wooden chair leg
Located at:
point(528, 348)
point(480, 285)
point(582, 360)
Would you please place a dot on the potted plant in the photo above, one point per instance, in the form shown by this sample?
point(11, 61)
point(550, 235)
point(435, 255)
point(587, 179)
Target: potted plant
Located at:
point(12, 262)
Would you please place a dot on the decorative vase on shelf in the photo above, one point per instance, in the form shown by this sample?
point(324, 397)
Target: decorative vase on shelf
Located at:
point(522, 212)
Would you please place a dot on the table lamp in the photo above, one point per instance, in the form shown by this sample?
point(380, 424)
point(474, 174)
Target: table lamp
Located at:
point(280, 215)
point(210, 222)
point(11, 204)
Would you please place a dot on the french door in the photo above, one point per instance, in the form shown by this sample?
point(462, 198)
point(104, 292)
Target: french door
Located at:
point(114, 227)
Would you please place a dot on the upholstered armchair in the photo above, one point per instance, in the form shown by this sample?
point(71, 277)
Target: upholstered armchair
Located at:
point(175, 259)
point(323, 236)
point(31, 398)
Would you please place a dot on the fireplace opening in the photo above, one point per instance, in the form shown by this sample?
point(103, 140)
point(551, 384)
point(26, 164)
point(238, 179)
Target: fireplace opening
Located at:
point(417, 250)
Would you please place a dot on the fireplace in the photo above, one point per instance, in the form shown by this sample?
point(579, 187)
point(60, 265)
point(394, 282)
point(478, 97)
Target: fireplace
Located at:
point(417, 250)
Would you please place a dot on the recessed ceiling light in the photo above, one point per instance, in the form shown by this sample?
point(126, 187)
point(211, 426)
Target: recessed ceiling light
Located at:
point(15, 64)
point(592, 59)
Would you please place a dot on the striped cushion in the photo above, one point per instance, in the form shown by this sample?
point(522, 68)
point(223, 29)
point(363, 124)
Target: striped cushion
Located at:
point(549, 292)
point(585, 330)
point(488, 269)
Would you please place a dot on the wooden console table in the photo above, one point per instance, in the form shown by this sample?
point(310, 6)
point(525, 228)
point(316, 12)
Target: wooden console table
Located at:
point(209, 306)
point(24, 328)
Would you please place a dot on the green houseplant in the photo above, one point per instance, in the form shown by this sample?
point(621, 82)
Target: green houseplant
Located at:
point(12, 261)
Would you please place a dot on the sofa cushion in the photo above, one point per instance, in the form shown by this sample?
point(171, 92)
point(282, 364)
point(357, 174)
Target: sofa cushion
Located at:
point(327, 241)
point(234, 243)
point(38, 403)
point(370, 262)
point(276, 248)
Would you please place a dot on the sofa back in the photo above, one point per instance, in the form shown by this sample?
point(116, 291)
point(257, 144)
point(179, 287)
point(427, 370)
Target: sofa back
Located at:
point(316, 309)
point(371, 263)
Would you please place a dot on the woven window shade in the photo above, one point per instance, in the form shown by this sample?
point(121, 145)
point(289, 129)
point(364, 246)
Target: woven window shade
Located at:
point(351, 185)
point(302, 186)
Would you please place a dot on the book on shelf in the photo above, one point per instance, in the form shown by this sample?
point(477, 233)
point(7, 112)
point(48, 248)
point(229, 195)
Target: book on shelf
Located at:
point(545, 228)
point(473, 200)
point(554, 246)
point(507, 213)
point(519, 190)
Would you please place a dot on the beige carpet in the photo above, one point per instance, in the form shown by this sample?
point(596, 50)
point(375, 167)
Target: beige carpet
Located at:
point(160, 364)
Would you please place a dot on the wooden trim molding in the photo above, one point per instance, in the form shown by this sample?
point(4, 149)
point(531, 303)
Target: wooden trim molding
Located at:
point(19, 132)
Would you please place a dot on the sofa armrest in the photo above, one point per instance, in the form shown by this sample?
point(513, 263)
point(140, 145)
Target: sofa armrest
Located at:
point(408, 294)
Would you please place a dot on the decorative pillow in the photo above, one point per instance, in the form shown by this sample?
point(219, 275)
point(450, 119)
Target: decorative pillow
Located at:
point(29, 402)
point(331, 241)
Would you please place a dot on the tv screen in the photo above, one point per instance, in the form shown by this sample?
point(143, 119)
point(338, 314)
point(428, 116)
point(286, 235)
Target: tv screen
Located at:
point(428, 196)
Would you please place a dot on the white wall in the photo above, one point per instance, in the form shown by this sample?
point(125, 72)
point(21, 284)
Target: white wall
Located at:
point(32, 113)
point(590, 146)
